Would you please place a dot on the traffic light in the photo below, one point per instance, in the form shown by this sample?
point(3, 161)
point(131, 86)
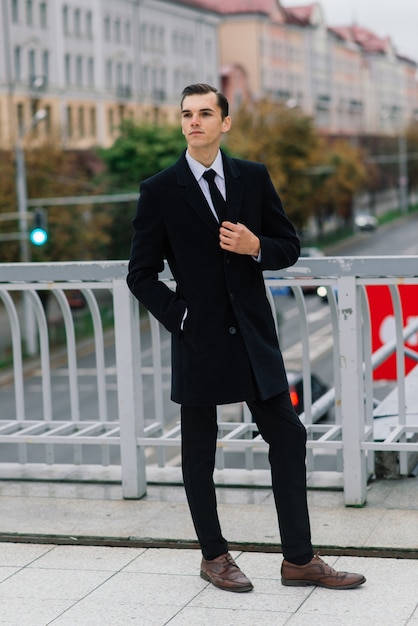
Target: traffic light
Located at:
point(39, 232)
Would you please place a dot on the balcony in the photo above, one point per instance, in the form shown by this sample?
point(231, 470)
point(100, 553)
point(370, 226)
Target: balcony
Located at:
point(95, 393)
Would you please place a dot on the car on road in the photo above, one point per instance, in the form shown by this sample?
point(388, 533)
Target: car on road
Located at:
point(365, 221)
point(295, 380)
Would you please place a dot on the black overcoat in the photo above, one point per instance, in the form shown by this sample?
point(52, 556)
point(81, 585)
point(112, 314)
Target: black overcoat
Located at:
point(229, 341)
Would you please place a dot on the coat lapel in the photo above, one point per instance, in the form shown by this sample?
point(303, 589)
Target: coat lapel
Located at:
point(193, 195)
point(234, 189)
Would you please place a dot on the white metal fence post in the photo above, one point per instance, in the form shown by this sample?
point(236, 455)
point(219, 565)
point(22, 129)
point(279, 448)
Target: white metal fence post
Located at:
point(352, 394)
point(129, 385)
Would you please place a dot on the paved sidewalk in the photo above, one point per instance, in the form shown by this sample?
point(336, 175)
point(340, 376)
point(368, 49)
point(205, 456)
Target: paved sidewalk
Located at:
point(57, 565)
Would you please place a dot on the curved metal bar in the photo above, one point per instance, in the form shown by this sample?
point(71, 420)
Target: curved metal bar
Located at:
point(306, 363)
point(99, 352)
point(400, 356)
point(71, 352)
point(17, 354)
point(44, 348)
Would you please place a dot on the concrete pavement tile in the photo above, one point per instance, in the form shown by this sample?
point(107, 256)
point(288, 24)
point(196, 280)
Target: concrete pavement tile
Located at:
point(33, 611)
point(7, 572)
point(166, 561)
point(231, 617)
point(388, 597)
point(256, 523)
point(399, 494)
point(21, 554)
point(260, 564)
point(53, 584)
point(319, 619)
point(344, 527)
point(115, 613)
point(171, 522)
point(397, 529)
point(88, 558)
point(149, 589)
point(60, 516)
point(162, 493)
point(326, 499)
point(242, 496)
point(266, 596)
point(41, 489)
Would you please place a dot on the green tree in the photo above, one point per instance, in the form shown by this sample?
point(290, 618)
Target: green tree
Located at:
point(412, 148)
point(286, 141)
point(347, 175)
point(313, 177)
point(75, 232)
point(140, 151)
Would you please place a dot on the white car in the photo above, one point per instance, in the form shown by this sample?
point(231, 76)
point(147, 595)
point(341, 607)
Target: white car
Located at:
point(365, 221)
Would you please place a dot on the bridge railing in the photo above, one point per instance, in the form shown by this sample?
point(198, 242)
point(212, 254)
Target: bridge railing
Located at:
point(96, 389)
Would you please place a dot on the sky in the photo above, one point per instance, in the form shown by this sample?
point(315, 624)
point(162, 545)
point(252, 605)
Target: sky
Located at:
point(396, 18)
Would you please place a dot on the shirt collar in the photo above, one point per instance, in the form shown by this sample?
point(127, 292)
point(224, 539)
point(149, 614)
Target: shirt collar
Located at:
point(198, 169)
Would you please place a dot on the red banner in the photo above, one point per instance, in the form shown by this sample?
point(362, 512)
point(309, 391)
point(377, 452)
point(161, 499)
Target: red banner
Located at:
point(383, 324)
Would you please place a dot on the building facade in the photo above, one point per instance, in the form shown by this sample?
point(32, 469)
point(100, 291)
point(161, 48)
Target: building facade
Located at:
point(94, 63)
point(91, 64)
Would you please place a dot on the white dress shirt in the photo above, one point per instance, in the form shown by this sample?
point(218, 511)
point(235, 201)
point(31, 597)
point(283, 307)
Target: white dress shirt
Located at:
point(198, 170)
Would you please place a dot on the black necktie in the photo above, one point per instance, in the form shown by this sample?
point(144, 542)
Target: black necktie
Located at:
point(217, 199)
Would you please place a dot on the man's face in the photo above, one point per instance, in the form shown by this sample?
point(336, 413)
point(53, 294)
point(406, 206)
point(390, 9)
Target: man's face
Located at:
point(202, 123)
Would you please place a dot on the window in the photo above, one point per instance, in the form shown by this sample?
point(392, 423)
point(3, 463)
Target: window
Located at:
point(90, 72)
point(128, 33)
point(79, 70)
point(119, 75)
point(29, 12)
point(20, 113)
point(89, 24)
point(144, 36)
point(107, 28)
point(111, 123)
point(18, 63)
point(67, 69)
point(81, 127)
point(65, 22)
point(145, 78)
point(31, 63)
point(43, 15)
point(45, 65)
point(77, 22)
point(70, 129)
point(117, 31)
point(109, 74)
point(47, 119)
point(15, 11)
point(161, 39)
point(129, 74)
point(93, 122)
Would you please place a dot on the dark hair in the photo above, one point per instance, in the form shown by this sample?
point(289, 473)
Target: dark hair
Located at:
point(202, 88)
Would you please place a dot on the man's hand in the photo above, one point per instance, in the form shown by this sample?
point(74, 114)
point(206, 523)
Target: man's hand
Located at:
point(237, 238)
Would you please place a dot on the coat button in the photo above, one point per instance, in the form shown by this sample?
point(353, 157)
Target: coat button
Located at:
point(232, 330)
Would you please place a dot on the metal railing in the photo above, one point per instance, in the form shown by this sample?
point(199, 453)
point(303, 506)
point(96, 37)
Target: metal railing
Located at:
point(99, 395)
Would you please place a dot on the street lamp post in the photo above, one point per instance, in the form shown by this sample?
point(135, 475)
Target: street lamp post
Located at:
point(22, 207)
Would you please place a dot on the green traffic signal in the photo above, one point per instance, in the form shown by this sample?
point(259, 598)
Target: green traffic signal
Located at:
point(39, 234)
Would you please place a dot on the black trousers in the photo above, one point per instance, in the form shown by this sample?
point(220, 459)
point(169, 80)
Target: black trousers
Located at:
point(282, 429)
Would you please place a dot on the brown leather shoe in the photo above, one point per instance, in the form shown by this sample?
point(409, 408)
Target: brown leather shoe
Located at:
point(316, 572)
point(224, 573)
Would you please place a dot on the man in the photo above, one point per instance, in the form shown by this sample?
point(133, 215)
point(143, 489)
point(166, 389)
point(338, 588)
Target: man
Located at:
point(224, 343)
